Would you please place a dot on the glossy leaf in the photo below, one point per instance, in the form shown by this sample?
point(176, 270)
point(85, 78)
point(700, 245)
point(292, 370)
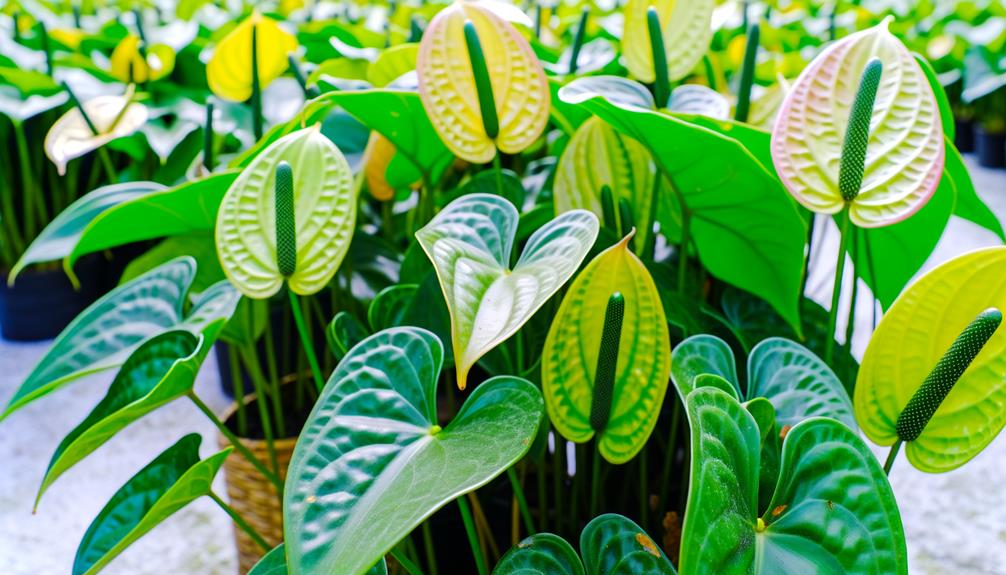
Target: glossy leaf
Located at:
point(389, 307)
point(58, 238)
point(541, 554)
point(699, 99)
point(70, 136)
point(832, 510)
point(747, 231)
point(687, 31)
point(129, 65)
point(107, 332)
point(905, 152)
point(614, 545)
point(470, 243)
point(797, 383)
point(378, 157)
point(273, 563)
point(447, 84)
point(912, 336)
point(324, 208)
point(161, 370)
point(569, 360)
point(171, 481)
point(398, 116)
point(343, 333)
point(229, 71)
point(372, 463)
point(186, 208)
point(597, 155)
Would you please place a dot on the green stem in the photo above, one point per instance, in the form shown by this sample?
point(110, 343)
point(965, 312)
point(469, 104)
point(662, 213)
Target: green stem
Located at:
point(35, 211)
point(518, 492)
point(238, 445)
point(237, 385)
point(891, 456)
point(431, 556)
point(274, 382)
point(498, 168)
point(473, 538)
point(409, 566)
point(829, 342)
point(258, 381)
point(305, 338)
point(686, 237)
point(595, 483)
point(241, 523)
point(581, 32)
point(747, 74)
point(256, 98)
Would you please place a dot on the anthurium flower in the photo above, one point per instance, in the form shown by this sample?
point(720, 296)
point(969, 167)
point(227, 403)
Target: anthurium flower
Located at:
point(687, 29)
point(904, 151)
point(229, 71)
point(447, 83)
point(128, 64)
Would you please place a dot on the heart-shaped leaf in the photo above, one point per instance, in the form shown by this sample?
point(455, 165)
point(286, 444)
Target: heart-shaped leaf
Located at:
point(447, 83)
point(274, 563)
point(324, 208)
point(161, 370)
point(400, 117)
point(129, 64)
point(598, 155)
point(831, 492)
point(58, 238)
point(71, 137)
point(171, 481)
point(687, 30)
point(108, 331)
point(389, 307)
point(372, 463)
point(570, 358)
point(908, 343)
point(797, 383)
point(229, 71)
point(186, 208)
point(611, 545)
point(470, 242)
point(700, 100)
point(747, 231)
point(904, 154)
point(343, 333)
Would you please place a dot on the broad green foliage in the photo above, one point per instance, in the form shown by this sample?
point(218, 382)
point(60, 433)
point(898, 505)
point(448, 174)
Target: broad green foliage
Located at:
point(324, 208)
point(372, 463)
point(274, 563)
point(832, 510)
point(570, 357)
point(611, 545)
point(597, 155)
point(229, 71)
point(171, 481)
point(470, 244)
point(747, 232)
point(60, 237)
point(905, 152)
point(687, 31)
point(911, 338)
point(71, 137)
point(161, 370)
point(108, 331)
point(797, 383)
point(448, 91)
point(699, 100)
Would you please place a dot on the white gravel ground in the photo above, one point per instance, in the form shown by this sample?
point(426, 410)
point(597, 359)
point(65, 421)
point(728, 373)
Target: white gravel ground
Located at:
point(955, 522)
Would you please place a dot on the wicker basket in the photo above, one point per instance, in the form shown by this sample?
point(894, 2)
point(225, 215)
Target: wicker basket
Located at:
point(252, 495)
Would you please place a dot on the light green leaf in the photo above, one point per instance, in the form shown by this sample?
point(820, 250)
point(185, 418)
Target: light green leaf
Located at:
point(161, 370)
point(20, 108)
point(188, 207)
point(747, 231)
point(400, 117)
point(171, 481)
point(569, 360)
point(908, 343)
point(324, 210)
point(273, 563)
point(614, 545)
point(58, 238)
point(597, 155)
point(107, 332)
point(392, 64)
point(470, 244)
point(832, 512)
point(372, 463)
point(797, 383)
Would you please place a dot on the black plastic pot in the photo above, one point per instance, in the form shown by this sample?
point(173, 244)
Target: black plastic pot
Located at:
point(964, 135)
point(43, 301)
point(990, 148)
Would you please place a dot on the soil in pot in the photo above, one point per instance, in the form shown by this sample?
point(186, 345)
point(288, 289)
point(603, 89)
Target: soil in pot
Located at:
point(990, 148)
point(43, 301)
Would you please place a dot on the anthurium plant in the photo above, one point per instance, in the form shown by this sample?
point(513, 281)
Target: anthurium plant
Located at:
point(450, 256)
